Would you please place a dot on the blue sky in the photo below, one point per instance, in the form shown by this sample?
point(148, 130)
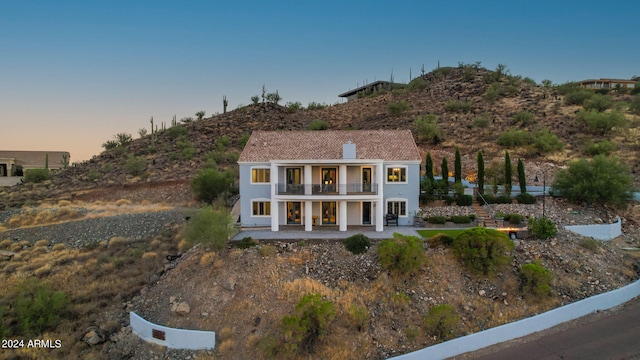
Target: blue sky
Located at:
point(74, 73)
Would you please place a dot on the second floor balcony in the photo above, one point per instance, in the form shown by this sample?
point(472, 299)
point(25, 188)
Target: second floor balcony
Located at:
point(327, 189)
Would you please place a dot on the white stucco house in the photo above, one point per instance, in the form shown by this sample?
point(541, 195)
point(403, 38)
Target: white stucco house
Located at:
point(329, 178)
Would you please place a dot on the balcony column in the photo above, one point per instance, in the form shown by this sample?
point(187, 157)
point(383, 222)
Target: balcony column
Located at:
point(342, 211)
point(274, 204)
point(342, 179)
point(308, 180)
point(379, 204)
point(308, 220)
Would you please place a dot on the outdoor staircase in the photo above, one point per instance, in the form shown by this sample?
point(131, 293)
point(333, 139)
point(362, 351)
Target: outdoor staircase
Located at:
point(481, 215)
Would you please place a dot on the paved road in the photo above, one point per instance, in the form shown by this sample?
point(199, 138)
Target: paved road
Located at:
point(613, 334)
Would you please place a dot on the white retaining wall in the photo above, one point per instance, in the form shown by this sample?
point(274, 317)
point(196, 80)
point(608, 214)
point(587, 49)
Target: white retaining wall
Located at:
point(600, 232)
point(173, 338)
point(527, 326)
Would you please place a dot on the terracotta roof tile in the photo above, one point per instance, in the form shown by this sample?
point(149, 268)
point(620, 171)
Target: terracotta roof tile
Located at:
point(388, 145)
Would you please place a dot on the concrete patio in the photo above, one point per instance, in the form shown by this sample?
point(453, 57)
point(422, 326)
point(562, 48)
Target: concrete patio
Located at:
point(324, 232)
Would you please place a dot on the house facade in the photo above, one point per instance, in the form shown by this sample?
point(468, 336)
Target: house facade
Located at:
point(329, 178)
point(611, 84)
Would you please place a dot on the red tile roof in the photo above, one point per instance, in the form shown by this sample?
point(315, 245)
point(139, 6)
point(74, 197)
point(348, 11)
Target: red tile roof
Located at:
point(388, 145)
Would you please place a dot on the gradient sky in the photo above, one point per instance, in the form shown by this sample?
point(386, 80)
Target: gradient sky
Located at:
point(74, 73)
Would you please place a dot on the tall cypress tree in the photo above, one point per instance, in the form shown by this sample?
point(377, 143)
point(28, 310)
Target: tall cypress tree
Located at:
point(480, 173)
point(457, 166)
point(522, 177)
point(507, 173)
point(445, 174)
point(428, 165)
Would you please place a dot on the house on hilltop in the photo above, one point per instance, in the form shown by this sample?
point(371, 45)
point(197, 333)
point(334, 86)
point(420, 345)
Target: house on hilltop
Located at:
point(370, 89)
point(329, 178)
point(611, 84)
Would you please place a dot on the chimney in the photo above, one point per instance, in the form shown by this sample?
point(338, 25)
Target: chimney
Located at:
point(349, 150)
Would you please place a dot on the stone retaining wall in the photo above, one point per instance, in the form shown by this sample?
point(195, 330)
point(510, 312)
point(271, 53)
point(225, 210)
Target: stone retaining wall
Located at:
point(170, 337)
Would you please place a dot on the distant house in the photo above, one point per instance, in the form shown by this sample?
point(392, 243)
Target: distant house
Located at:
point(319, 178)
point(608, 84)
point(12, 162)
point(370, 89)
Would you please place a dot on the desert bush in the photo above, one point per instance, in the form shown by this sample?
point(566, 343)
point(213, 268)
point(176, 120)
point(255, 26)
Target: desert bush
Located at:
point(441, 321)
point(601, 123)
point(38, 308)
point(267, 251)
point(483, 250)
point(398, 108)
point(481, 121)
point(598, 102)
point(535, 279)
point(634, 105)
point(590, 244)
point(417, 84)
point(247, 242)
point(318, 125)
point(177, 131)
point(36, 175)
point(209, 184)
point(577, 97)
point(514, 219)
point(310, 324)
point(135, 165)
point(494, 92)
point(544, 141)
point(402, 255)
point(293, 106)
point(437, 219)
point(440, 239)
point(315, 106)
point(542, 228)
point(460, 219)
point(359, 315)
point(457, 106)
point(523, 117)
point(428, 130)
point(187, 151)
point(357, 244)
point(602, 180)
point(604, 147)
point(526, 198)
point(514, 137)
point(209, 227)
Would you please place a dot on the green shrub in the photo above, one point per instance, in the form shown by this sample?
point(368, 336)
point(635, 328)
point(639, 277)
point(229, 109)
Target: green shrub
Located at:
point(601, 123)
point(634, 106)
point(38, 308)
point(187, 151)
point(464, 200)
point(437, 219)
point(398, 108)
point(515, 137)
point(545, 141)
point(318, 125)
point(135, 165)
point(209, 227)
point(359, 315)
point(598, 102)
point(483, 250)
point(542, 228)
point(441, 239)
point(494, 92)
point(243, 140)
point(293, 106)
point(481, 121)
point(36, 175)
point(302, 331)
point(603, 147)
point(460, 219)
point(402, 254)
point(418, 84)
point(602, 180)
point(490, 199)
point(514, 219)
point(428, 130)
point(247, 242)
point(357, 244)
point(314, 106)
point(441, 321)
point(577, 97)
point(535, 279)
point(457, 106)
point(526, 198)
point(209, 184)
point(524, 117)
point(177, 131)
point(590, 243)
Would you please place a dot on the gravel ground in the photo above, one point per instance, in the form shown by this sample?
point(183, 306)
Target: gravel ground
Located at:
point(83, 232)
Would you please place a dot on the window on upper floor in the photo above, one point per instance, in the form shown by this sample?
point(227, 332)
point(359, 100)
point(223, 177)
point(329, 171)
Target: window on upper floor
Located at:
point(398, 207)
point(259, 175)
point(261, 208)
point(396, 174)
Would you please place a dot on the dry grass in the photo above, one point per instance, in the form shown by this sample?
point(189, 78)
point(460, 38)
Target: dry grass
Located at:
point(207, 258)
